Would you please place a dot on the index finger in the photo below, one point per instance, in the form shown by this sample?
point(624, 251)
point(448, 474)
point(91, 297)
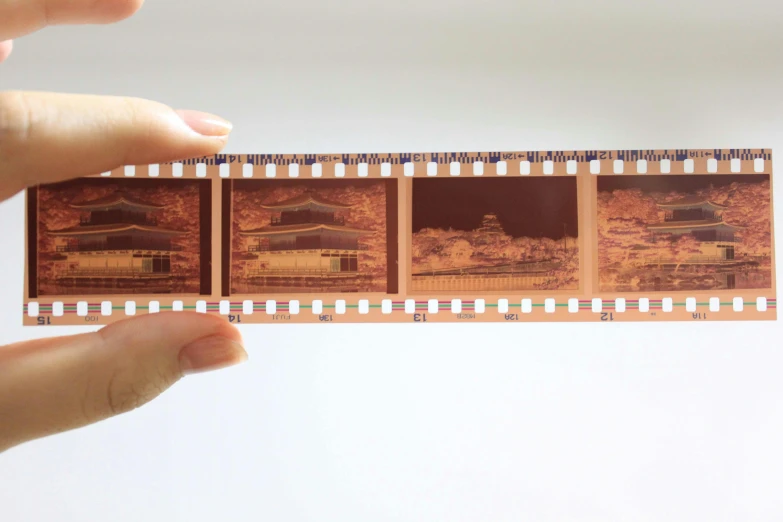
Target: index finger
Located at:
point(21, 17)
point(46, 137)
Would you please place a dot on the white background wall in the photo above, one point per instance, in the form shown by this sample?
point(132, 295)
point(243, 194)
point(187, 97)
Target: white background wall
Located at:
point(438, 422)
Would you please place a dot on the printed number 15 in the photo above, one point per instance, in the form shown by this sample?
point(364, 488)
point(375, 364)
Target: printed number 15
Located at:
point(44, 320)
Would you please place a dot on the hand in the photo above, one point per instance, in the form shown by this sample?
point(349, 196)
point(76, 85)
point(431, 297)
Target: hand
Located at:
point(52, 385)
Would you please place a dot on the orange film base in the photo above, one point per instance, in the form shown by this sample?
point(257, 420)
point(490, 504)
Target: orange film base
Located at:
point(659, 235)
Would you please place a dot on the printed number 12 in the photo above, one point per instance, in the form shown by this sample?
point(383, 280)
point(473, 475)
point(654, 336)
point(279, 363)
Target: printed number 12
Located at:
point(607, 317)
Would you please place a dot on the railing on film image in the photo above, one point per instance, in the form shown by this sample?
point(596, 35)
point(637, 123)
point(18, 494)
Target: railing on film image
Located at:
point(110, 272)
point(526, 275)
point(510, 270)
point(707, 236)
point(309, 272)
point(294, 248)
point(119, 248)
point(706, 260)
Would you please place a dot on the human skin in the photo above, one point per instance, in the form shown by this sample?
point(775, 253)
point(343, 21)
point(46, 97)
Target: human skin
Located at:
point(48, 386)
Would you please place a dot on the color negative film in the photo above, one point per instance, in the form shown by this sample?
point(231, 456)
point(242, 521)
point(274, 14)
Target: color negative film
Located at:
point(680, 235)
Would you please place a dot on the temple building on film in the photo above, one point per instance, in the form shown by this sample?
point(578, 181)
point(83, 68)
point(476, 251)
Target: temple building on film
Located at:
point(304, 242)
point(118, 238)
point(703, 220)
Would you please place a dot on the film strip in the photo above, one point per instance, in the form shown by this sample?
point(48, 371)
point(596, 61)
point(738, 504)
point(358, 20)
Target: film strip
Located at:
point(633, 235)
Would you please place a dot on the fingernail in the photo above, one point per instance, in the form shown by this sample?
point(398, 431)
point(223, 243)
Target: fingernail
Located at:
point(5, 49)
point(206, 124)
point(211, 353)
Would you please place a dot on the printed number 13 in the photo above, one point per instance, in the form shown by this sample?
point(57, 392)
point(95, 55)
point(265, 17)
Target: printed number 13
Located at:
point(420, 318)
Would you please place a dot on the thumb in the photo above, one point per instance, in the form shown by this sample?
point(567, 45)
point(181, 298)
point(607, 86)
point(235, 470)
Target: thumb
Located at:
point(53, 385)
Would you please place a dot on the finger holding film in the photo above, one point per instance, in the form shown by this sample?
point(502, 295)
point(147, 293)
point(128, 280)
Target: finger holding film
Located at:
point(49, 386)
point(21, 17)
point(53, 385)
point(47, 137)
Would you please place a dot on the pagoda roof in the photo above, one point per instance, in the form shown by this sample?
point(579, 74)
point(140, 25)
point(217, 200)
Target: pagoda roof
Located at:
point(115, 200)
point(700, 223)
point(302, 200)
point(691, 201)
point(88, 230)
point(304, 227)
